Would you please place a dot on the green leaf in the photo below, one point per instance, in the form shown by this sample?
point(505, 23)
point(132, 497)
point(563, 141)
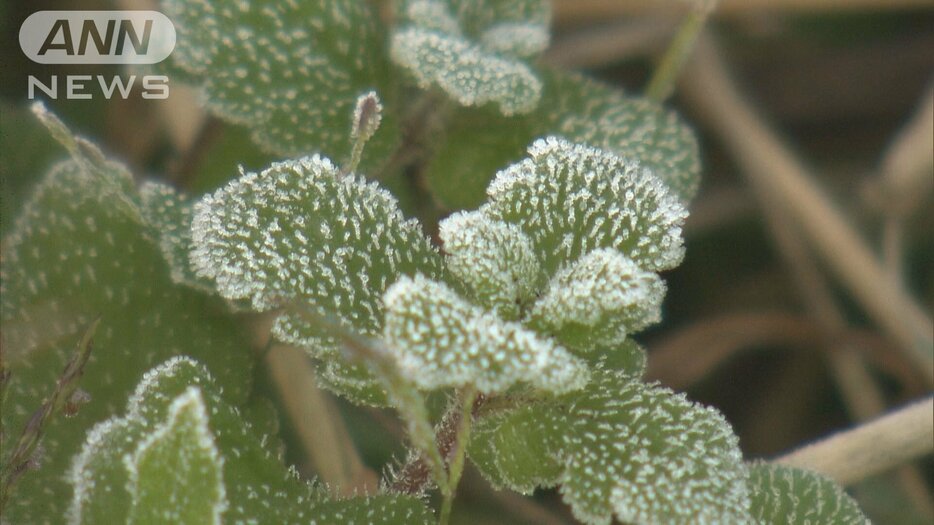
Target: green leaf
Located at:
point(790, 496)
point(302, 231)
point(169, 213)
point(175, 472)
point(471, 50)
point(598, 301)
point(465, 72)
point(81, 250)
point(181, 449)
point(479, 142)
point(571, 199)
point(619, 448)
point(479, 16)
point(290, 71)
point(441, 340)
point(494, 260)
point(27, 151)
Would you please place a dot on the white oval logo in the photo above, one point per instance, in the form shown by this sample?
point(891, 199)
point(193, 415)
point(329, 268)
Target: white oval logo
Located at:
point(97, 37)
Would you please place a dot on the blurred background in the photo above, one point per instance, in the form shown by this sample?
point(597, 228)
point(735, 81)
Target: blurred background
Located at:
point(812, 115)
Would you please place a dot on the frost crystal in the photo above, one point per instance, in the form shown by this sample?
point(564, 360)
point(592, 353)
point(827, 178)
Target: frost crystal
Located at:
point(471, 50)
point(789, 496)
point(432, 15)
point(176, 471)
point(441, 340)
point(169, 213)
point(599, 300)
point(571, 199)
point(519, 39)
point(465, 72)
point(495, 260)
point(182, 455)
point(620, 448)
point(301, 231)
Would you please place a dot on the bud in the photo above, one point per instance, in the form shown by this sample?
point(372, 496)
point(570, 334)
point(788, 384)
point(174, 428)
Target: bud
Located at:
point(366, 117)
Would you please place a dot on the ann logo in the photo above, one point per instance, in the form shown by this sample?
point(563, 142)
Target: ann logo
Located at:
point(97, 37)
point(60, 37)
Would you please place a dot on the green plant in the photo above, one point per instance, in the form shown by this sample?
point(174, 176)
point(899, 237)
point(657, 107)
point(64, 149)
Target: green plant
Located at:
point(525, 320)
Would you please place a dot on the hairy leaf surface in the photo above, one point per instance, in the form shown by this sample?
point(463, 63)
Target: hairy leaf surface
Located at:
point(598, 300)
point(81, 249)
point(169, 213)
point(181, 451)
point(472, 50)
point(571, 199)
point(300, 231)
point(494, 260)
point(441, 340)
point(479, 142)
point(289, 71)
point(789, 496)
point(620, 448)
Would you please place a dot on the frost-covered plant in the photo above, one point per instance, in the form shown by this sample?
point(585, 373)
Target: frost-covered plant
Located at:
point(523, 311)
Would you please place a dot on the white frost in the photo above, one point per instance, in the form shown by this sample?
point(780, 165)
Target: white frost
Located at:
point(495, 260)
point(604, 294)
point(441, 340)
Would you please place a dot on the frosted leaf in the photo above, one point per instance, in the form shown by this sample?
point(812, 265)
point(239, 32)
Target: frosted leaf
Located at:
point(472, 50)
point(479, 142)
point(633, 127)
point(431, 15)
point(119, 456)
point(571, 199)
point(789, 496)
point(493, 259)
point(289, 71)
point(169, 213)
point(598, 300)
point(620, 448)
point(301, 231)
point(175, 474)
point(477, 16)
point(441, 340)
point(81, 249)
point(518, 39)
point(465, 71)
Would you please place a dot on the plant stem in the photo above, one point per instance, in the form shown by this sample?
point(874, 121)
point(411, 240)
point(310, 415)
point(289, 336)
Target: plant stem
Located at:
point(456, 469)
point(666, 74)
point(407, 399)
point(871, 448)
point(318, 423)
point(63, 399)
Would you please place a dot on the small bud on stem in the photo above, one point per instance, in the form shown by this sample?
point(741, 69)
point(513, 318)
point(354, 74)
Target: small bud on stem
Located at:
point(367, 116)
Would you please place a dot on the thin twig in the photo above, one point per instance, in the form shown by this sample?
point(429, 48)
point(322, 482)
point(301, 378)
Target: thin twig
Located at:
point(874, 447)
point(415, 475)
point(405, 397)
point(767, 162)
point(691, 353)
point(905, 180)
point(64, 398)
point(318, 423)
point(598, 46)
point(861, 394)
point(679, 51)
point(455, 459)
